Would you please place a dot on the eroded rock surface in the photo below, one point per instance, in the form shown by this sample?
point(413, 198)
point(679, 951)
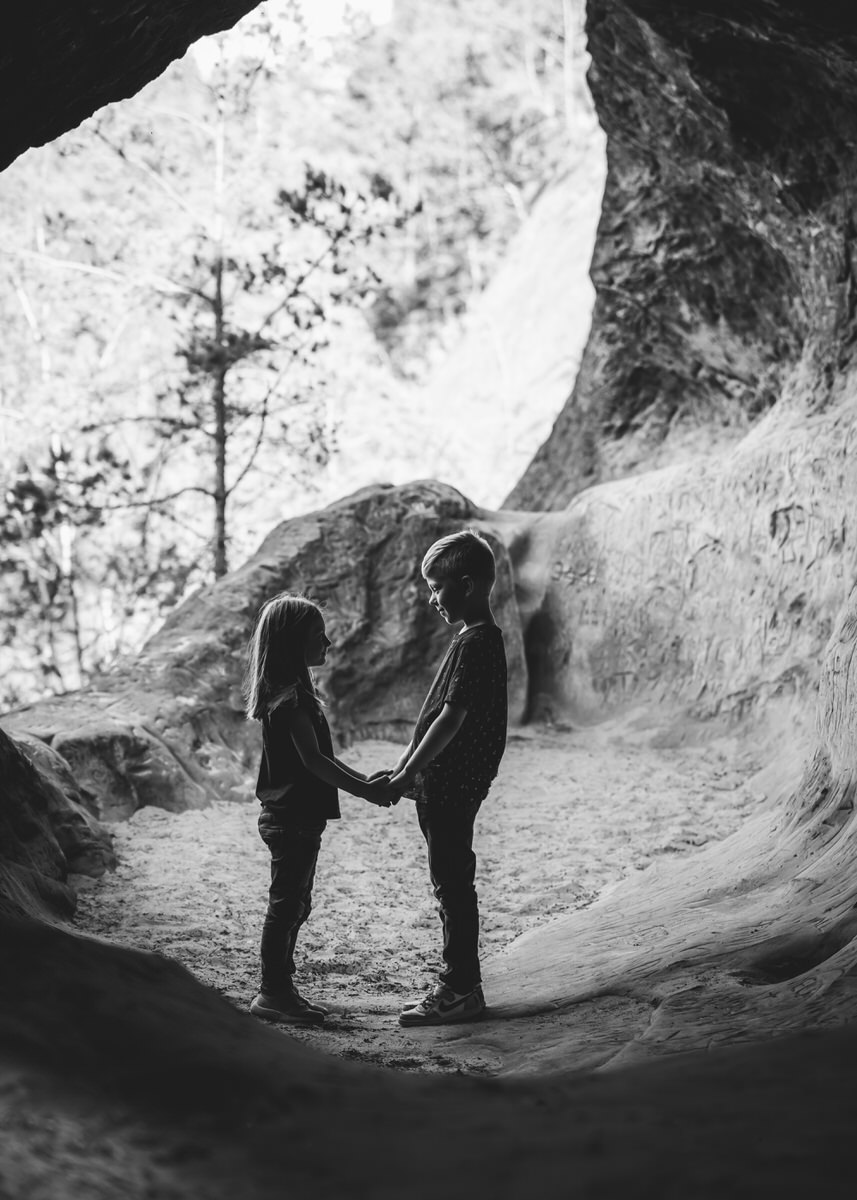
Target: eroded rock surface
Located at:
point(714, 584)
point(47, 832)
point(724, 261)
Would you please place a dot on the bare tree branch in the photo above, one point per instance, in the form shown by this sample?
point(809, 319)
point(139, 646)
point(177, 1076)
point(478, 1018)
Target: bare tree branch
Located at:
point(153, 176)
point(157, 283)
point(154, 502)
point(173, 422)
point(300, 281)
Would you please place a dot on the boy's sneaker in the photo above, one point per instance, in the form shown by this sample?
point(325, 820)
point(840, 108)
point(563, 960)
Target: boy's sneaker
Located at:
point(444, 1006)
point(288, 1007)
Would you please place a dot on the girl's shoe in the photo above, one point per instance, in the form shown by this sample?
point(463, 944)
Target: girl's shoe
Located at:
point(443, 1006)
point(309, 1003)
point(287, 1007)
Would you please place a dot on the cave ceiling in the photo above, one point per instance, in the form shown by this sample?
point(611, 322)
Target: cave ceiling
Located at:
point(61, 61)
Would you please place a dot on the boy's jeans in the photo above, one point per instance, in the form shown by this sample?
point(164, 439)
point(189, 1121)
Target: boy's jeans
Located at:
point(448, 831)
point(294, 852)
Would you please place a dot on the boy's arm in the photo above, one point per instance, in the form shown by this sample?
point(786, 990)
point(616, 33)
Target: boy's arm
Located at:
point(404, 756)
point(437, 737)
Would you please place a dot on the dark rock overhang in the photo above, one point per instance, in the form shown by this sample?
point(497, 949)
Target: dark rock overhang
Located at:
point(60, 60)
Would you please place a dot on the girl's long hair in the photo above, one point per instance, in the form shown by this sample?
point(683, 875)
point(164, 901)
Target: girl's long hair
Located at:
point(277, 652)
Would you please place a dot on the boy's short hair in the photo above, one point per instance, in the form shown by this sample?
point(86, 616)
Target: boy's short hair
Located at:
point(462, 553)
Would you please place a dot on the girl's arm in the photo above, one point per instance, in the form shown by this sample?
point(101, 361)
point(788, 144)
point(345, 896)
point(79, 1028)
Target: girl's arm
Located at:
point(437, 737)
point(329, 770)
point(350, 770)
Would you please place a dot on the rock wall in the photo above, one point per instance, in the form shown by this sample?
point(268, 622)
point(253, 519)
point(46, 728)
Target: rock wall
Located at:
point(713, 585)
point(747, 940)
point(169, 729)
point(724, 260)
point(721, 355)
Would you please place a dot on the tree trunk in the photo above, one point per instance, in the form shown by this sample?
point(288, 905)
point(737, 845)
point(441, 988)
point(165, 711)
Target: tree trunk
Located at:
point(218, 399)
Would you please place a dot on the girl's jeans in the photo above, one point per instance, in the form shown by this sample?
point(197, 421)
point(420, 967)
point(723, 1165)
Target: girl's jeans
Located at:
point(294, 853)
point(448, 831)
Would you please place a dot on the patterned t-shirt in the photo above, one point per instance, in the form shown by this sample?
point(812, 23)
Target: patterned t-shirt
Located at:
point(284, 785)
point(473, 675)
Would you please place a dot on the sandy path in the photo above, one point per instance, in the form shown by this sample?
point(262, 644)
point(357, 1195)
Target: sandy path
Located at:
point(571, 812)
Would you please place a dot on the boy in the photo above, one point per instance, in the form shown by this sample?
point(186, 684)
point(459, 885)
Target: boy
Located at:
point(451, 760)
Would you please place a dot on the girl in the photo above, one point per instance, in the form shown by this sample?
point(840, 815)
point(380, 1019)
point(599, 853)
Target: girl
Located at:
point(297, 787)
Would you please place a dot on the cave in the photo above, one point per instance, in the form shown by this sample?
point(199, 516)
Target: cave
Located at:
point(688, 1033)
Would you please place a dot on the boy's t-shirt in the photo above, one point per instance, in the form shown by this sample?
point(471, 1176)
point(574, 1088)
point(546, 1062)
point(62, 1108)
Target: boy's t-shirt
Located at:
point(472, 674)
point(284, 786)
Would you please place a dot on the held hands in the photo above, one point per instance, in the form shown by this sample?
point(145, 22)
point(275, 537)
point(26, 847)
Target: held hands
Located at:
point(379, 790)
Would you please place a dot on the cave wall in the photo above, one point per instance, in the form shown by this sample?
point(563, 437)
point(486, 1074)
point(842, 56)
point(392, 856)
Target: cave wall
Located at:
point(59, 62)
point(750, 943)
point(713, 586)
point(724, 261)
point(690, 534)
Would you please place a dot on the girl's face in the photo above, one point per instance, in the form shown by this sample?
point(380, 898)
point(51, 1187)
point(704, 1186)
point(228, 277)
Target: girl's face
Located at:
point(317, 643)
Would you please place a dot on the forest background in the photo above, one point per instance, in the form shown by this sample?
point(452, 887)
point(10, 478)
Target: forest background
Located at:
point(224, 301)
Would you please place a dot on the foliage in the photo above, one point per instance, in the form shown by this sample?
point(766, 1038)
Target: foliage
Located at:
point(463, 102)
point(50, 567)
point(206, 282)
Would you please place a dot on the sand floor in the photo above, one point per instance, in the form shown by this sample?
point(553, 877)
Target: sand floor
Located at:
point(571, 812)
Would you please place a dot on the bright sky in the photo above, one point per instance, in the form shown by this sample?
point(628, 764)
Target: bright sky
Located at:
point(326, 17)
point(323, 18)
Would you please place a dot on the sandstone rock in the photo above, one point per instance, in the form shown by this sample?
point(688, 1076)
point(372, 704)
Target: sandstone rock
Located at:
point(714, 585)
point(723, 260)
point(46, 832)
point(71, 810)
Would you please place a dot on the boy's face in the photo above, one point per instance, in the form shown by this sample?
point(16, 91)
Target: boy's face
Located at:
point(447, 596)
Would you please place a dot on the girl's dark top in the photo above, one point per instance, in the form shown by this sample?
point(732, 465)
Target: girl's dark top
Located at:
point(285, 787)
point(472, 674)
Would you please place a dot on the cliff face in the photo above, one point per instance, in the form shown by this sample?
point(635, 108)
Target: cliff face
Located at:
point(724, 261)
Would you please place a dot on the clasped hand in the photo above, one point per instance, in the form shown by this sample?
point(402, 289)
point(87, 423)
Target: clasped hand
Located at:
point(381, 792)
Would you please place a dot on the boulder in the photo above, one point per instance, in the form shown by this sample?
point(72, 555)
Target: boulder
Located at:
point(47, 832)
